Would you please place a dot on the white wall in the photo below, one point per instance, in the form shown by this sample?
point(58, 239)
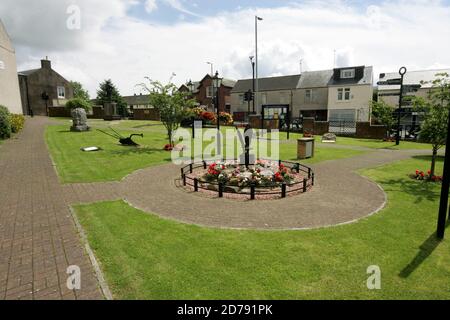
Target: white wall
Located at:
point(9, 81)
point(360, 97)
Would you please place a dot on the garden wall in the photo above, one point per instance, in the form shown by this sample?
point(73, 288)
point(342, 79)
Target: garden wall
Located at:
point(315, 127)
point(368, 131)
point(146, 114)
point(61, 112)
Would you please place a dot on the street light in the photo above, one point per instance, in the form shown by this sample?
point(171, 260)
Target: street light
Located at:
point(256, 56)
point(253, 82)
point(217, 83)
point(402, 73)
point(212, 67)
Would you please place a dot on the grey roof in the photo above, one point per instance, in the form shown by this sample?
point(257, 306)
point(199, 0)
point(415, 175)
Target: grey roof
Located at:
point(412, 77)
point(28, 72)
point(266, 84)
point(367, 77)
point(225, 82)
point(315, 79)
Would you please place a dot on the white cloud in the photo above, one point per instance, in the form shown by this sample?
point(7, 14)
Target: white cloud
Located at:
point(177, 5)
point(150, 5)
point(114, 45)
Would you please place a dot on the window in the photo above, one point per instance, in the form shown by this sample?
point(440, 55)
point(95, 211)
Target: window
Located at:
point(283, 98)
point(2, 65)
point(347, 74)
point(308, 96)
point(343, 94)
point(61, 92)
point(241, 99)
point(347, 94)
point(209, 91)
point(263, 98)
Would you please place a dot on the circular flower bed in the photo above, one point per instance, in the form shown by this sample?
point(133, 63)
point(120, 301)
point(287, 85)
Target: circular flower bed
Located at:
point(420, 175)
point(264, 180)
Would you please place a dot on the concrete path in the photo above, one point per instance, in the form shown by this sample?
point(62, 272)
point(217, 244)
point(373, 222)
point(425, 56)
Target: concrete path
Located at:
point(38, 237)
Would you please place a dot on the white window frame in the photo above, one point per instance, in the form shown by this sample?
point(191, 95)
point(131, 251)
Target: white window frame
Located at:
point(344, 94)
point(347, 94)
point(340, 94)
point(58, 92)
point(347, 73)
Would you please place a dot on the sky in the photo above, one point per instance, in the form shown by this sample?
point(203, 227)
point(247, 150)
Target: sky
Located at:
point(128, 40)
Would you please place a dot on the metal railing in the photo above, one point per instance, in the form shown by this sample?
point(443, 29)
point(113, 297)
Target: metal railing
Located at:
point(282, 189)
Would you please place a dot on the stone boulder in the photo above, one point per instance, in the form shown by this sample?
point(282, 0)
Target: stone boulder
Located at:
point(329, 138)
point(79, 120)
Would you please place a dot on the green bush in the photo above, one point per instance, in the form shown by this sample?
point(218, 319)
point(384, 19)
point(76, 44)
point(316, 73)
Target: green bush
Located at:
point(17, 122)
point(5, 123)
point(78, 103)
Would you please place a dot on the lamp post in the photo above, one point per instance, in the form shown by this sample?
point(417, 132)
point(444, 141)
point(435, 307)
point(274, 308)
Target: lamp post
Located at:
point(256, 57)
point(443, 204)
point(402, 72)
point(191, 89)
point(217, 82)
point(253, 83)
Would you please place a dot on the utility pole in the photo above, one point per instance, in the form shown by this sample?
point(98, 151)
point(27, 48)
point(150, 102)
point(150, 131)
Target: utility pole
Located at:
point(256, 56)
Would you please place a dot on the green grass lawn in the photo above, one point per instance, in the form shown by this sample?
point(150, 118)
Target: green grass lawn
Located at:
point(146, 257)
point(115, 162)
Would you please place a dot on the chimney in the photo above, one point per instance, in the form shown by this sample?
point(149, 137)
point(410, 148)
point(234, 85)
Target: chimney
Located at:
point(46, 64)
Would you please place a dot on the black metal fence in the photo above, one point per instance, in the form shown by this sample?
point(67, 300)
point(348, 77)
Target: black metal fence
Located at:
point(254, 190)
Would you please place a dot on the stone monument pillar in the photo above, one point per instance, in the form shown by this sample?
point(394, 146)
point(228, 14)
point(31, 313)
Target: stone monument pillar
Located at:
point(79, 120)
point(110, 112)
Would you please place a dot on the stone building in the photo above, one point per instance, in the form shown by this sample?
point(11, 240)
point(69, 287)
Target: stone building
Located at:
point(9, 85)
point(43, 88)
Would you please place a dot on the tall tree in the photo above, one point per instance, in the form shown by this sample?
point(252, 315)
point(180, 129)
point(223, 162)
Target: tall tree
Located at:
point(108, 93)
point(172, 104)
point(436, 108)
point(79, 92)
point(383, 113)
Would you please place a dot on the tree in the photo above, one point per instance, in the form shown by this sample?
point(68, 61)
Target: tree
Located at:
point(383, 113)
point(173, 105)
point(436, 109)
point(108, 93)
point(78, 103)
point(79, 92)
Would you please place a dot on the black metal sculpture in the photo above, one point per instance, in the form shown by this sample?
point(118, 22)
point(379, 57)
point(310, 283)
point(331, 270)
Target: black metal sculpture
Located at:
point(123, 140)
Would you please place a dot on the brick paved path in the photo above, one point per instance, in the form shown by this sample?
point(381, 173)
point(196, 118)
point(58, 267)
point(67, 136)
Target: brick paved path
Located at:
point(38, 238)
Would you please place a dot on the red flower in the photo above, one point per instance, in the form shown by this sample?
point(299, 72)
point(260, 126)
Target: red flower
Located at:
point(429, 172)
